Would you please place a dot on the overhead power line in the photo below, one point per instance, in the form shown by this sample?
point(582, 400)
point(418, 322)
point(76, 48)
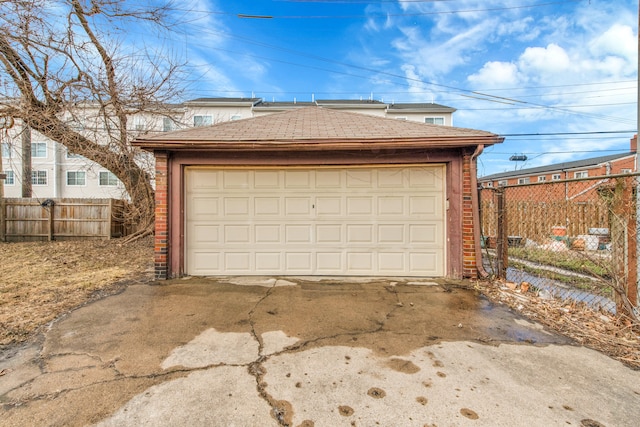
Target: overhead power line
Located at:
point(568, 133)
point(366, 16)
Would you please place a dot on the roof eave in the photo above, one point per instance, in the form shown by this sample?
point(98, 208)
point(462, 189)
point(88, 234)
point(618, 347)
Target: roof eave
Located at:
point(320, 144)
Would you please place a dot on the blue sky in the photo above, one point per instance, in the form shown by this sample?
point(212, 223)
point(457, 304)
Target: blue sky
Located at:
point(507, 66)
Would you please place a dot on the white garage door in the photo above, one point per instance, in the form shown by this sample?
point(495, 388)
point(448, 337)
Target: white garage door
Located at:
point(357, 221)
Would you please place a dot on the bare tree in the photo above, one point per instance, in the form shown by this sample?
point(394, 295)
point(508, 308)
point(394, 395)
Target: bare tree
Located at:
point(68, 73)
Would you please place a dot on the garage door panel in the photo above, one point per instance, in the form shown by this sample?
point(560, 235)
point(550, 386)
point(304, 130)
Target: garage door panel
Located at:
point(267, 179)
point(427, 263)
point(391, 178)
point(234, 206)
point(392, 262)
point(298, 206)
point(425, 205)
point(360, 206)
point(327, 206)
point(427, 178)
point(205, 262)
point(237, 261)
point(360, 261)
point(236, 179)
point(298, 233)
point(268, 233)
point(268, 262)
point(202, 207)
point(266, 206)
point(207, 179)
point(392, 233)
point(329, 179)
point(329, 262)
point(237, 234)
point(358, 178)
point(329, 233)
point(338, 221)
point(299, 262)
point(426, 234)
point(204, 233)
point(297, 179)
point(360, 234)
point(391, 205)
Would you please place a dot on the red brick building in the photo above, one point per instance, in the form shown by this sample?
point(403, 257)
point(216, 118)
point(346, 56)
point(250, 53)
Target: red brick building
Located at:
point(558, 173)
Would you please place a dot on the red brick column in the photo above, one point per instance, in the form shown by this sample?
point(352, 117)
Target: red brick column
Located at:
point(469, 268)
point(161, 249)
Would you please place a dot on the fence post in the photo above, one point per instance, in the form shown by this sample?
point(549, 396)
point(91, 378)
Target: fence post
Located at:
point(632, 256)
point(636, 224)
point(623, 240)
point(49, 206)
point(502, 259)
point(3, 176)
point(3, 224)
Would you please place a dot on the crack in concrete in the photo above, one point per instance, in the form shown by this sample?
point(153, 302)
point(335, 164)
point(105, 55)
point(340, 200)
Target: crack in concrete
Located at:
point(282, 411)
point(257, 370)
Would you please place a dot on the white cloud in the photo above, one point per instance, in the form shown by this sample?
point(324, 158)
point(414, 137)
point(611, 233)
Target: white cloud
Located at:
point(618, 40)
point(433, 59)
point(523, 30)
point(496, 74)
point(552, 59)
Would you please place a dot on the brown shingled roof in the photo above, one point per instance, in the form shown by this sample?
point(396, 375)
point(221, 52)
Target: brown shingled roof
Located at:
point(316, 128)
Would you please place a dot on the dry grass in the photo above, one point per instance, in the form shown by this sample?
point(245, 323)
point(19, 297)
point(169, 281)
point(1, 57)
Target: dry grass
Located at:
point(41, 280)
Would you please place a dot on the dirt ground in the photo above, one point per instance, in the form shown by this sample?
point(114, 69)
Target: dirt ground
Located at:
point(41, 281)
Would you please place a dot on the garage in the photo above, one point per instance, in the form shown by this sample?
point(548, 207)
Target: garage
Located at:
point(316, 191)
point(359, 221)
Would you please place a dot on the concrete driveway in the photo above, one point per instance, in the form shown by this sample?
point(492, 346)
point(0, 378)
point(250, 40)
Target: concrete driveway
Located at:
point(308, 352)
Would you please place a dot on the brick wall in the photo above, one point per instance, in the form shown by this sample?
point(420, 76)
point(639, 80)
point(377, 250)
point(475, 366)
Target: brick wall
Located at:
point(161, 251)
point(469, 268)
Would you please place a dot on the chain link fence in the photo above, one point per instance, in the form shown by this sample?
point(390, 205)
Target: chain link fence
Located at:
point(569, 239)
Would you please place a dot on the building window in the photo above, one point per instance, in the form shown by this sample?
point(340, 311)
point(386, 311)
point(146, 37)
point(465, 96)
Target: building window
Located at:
point(167, 124)
point(556, 177)
point(39, 149)
point(202, 121)
point(502, 183)
point(10, 179)
point(139, 123)
point(542, 178)
point(524, 180)
point(38, 177)
point(488, 184)
point(402, 118)
point(625, 170)
point(108, 179)
point(76, 178)
point(6, 122)
point(6, 150)
point(236, 117)
point(581, 174)
point(434, 120)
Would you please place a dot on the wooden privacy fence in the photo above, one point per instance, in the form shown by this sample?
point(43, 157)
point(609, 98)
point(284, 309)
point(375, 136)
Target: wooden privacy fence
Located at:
point(26, 219)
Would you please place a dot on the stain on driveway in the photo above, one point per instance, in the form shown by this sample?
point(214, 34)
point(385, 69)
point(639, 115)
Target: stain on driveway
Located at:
point(308, 352)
